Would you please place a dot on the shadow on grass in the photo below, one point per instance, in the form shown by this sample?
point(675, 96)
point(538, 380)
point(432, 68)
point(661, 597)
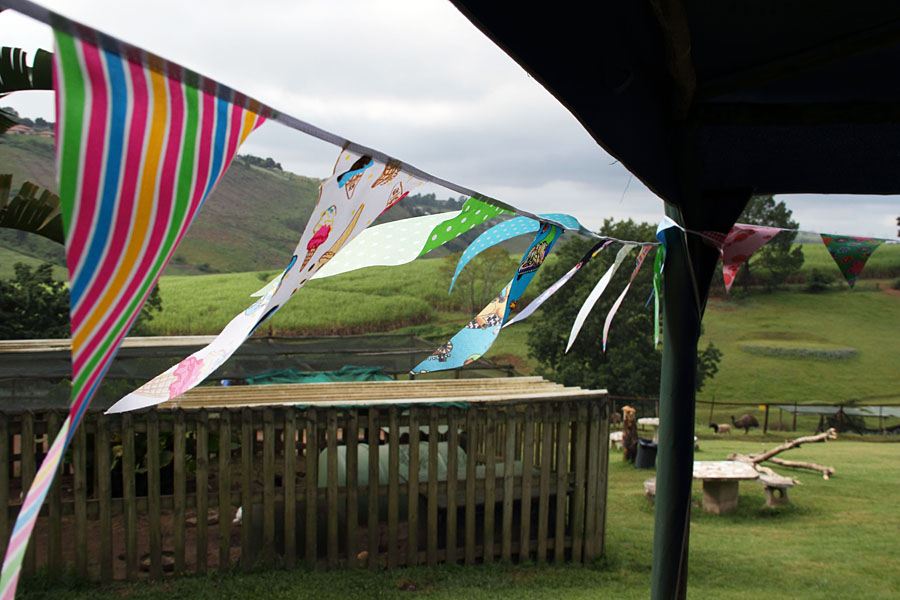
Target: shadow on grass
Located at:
point(751, 509)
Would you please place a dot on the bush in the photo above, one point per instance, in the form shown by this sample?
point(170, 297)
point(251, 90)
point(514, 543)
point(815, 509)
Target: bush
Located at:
point(896, 284)
point(818, 282)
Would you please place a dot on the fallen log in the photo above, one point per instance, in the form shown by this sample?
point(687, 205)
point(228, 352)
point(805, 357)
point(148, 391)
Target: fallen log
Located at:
point(769, 455)
point(827, 472)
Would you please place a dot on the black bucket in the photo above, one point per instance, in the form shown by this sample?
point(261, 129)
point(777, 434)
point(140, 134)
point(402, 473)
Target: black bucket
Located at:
point(646, 454)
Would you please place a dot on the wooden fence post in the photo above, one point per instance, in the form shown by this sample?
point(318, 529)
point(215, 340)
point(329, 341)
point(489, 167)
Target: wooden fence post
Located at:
point(766, 420)
point(153, 500)
point(26, 452)
point(224, 452)
point(179, 433)
point(128, 497)
point(202, 479)
point(4, 484)
point(289, 482)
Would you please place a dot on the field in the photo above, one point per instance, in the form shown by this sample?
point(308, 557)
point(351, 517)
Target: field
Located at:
point(838, 540)
point(784, 347)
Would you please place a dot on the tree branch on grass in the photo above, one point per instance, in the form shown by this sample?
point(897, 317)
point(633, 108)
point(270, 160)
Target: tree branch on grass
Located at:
point(769, 455)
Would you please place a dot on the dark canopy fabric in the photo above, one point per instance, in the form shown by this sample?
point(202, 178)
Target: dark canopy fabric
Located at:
point(708, 102)
point(758, 96)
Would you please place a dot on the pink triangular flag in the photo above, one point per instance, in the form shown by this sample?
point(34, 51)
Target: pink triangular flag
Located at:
point(740, 244)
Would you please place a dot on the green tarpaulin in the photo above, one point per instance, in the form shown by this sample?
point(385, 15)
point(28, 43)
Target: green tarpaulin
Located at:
point(292, 375)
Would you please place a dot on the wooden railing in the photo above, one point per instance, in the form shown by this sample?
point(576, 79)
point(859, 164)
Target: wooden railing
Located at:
point(156, 491)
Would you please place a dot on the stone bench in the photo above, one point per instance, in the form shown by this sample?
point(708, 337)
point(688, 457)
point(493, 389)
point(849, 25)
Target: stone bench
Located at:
point(650, 489)
point(776, 489)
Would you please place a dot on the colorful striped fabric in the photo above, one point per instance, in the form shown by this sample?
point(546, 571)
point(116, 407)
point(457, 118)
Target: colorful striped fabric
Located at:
point(141, 143)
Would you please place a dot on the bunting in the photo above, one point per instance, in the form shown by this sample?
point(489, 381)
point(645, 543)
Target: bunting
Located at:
point(659, 263)
point(595, 294)
point(390, 244)
point(739, 245)
point(504, 231)
point(850, 253)
point(474, 212)
point(473, 340)
point(360, 189)
point(141, 143)
point(537, 302)
point(639, 260)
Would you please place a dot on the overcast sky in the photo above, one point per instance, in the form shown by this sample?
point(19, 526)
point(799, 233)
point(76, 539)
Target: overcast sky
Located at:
point(412, 78)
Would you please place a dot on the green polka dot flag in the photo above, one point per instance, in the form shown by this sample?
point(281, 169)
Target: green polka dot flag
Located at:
point(474, 213)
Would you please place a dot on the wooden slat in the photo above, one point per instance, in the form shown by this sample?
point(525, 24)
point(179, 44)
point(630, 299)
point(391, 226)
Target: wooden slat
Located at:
point(179, 433)
point(372, 517)
point(202, 478)
point(413, 479)
point(332, 488)
point(128, 497)
point(289, 481)
point(471, 481)
point(432, 508)
point(509, 455)
point(544, 485)
point(268, 533)
point(593, 459)
point(155, 530)
point(79, 463)
point(248, 559)
point(351, 435)
point(54, 542)
point(224, 452)
point(577, 516)
point(393, 485)
point(527, 467)
point(311, 483)
point(452, 479)
point(490, 480)
point(27, 450)
point(562, 484)
point(604, 475)
point(104, 496)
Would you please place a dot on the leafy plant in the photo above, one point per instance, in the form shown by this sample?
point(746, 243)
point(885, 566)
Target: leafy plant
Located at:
point(818, 282)
point(33, 305)
point(16, 75)
point(29, 212)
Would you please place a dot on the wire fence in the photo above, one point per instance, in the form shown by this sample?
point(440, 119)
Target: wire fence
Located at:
point(844, 417)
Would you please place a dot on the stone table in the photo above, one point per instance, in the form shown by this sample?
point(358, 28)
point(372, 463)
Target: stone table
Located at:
point(720, 483)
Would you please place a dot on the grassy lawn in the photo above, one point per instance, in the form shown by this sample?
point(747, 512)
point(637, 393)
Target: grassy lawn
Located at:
point(838, 540)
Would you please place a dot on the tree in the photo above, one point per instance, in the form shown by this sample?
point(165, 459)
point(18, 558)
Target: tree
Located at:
point(775, 262)
point(482, 279)
point(35, 306)
point(631, 365)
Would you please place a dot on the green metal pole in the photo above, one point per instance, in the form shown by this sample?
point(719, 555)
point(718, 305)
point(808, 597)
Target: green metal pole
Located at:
point(688, 272)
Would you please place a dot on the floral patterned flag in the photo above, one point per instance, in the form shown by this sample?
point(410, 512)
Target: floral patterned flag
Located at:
point(739, 245)
point(850, 253)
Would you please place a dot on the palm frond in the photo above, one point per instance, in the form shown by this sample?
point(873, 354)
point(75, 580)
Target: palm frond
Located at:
point(27, 211)
point(16, 75)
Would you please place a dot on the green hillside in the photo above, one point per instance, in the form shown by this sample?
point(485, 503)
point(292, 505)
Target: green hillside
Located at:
point(793, 347)
point(251, 222)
